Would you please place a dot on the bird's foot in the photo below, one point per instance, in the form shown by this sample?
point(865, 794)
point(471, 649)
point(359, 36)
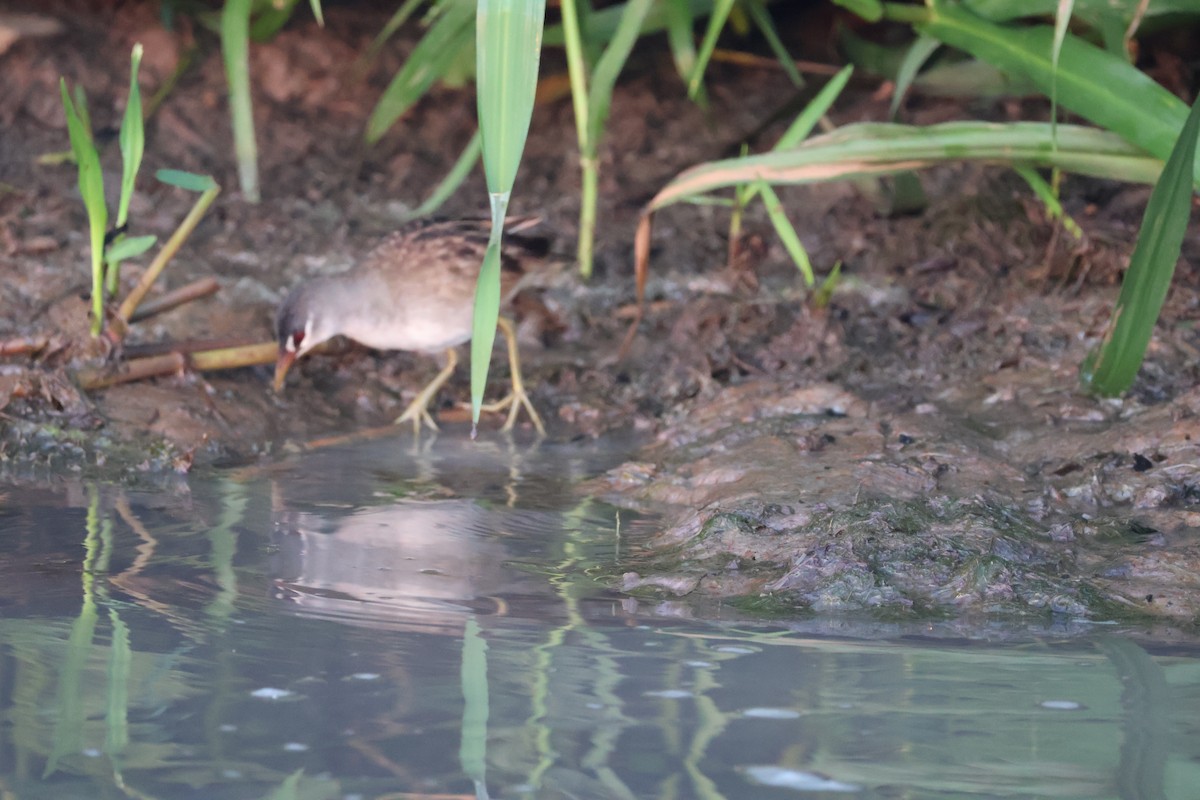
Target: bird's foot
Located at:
point(514, 402)
point(418, 412)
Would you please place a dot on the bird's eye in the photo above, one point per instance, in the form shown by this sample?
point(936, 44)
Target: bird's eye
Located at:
point(294, 341)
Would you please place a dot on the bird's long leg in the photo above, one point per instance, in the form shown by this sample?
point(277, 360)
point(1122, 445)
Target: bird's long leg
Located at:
point(418, 409)
point(517, 398)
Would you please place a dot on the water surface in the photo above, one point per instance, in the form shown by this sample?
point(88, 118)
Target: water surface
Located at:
point(384, 621)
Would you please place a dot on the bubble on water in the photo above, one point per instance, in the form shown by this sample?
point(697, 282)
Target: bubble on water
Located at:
point(797, 780)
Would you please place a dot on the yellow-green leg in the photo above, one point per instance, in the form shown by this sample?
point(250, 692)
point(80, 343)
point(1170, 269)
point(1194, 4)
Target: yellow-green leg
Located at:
point(418, 409)
point(517, 398)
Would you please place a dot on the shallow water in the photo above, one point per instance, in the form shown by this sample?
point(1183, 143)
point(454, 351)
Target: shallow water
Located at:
point(384, 621)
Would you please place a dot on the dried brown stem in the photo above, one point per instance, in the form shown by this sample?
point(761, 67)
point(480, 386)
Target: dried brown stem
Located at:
point(137, 369)
point(175, 298)
point(168, 251)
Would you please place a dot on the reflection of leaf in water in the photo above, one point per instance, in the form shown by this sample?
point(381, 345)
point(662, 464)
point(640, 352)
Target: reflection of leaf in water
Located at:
point(297, 787)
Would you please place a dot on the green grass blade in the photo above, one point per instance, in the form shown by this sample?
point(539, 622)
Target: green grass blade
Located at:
point(916, 56)
point(1090, 82)
point(235, 47)
point(434, 55)
point(716, 21)
point(786, 233)
point(766, 25)
point(507, 50)
point(1113, 368)
point(449, 185)
point(866, 149)
point(91, 189)
point(318, 14)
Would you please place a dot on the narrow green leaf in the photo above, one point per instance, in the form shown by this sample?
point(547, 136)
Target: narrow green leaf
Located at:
point(235, 47)
point(508, 47)
point(918, 53)
point(716, 21)
point(454, 179)
point(786, 232)
point(483, 327)
point(318, 14)
point(472, 752)
point(91, 189)
point(1090, 82)
point(186, 180)
point(1089, 10)
point(128, 247)
point(1113, 368)
point(439, 49)
point(132, 138)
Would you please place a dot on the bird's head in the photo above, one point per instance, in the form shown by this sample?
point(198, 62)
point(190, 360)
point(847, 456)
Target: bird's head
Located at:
point(300, 326)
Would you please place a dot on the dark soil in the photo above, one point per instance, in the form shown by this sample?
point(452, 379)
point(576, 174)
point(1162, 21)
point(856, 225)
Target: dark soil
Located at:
point(921, 443)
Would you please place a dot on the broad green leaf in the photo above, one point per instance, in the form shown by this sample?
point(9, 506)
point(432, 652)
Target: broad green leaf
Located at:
point(1089, 10)
point(508, 48)
point(186, 180)
point(881, 148)
point(235, 47)
point(1090, 82)
point(438, 50)
point(508, 42)
point(128, 247)
point(132, 138)
point(1113, 368)
point(608, 68)
point(870, 10)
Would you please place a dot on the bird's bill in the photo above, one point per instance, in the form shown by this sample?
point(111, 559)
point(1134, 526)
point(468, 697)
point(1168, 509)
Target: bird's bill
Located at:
point(282, 365)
